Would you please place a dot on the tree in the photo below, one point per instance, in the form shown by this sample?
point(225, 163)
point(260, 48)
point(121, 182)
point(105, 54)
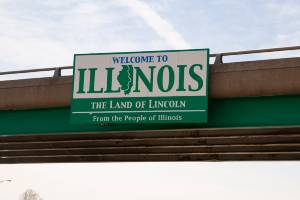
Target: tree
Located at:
point(30, 195)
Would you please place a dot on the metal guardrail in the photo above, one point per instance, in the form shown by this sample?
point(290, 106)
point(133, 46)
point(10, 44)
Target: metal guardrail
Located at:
point(218, 60)
point(57, 70)
point(219, 56)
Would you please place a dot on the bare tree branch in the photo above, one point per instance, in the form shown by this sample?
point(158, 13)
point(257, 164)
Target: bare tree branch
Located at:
point(30, 195)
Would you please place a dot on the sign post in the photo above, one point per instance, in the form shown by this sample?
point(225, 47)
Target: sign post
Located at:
point(141, 87)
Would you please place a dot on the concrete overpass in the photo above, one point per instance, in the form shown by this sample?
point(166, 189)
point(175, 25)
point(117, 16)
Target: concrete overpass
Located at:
point(254, 114)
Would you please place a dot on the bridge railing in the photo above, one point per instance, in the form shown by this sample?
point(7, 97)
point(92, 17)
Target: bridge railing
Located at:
point(218, 60)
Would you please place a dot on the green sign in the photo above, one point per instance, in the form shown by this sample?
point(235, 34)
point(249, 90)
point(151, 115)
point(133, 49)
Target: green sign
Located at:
point(141, 87)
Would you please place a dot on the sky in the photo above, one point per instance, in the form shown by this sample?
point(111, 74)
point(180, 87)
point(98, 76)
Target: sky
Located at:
point(148, 181)
point(37, 34)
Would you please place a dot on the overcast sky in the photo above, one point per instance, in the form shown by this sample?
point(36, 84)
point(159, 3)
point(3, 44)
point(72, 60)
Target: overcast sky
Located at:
point(47, 33)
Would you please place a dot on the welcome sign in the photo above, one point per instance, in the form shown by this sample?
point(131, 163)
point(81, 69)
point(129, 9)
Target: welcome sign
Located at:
point(141, 87)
